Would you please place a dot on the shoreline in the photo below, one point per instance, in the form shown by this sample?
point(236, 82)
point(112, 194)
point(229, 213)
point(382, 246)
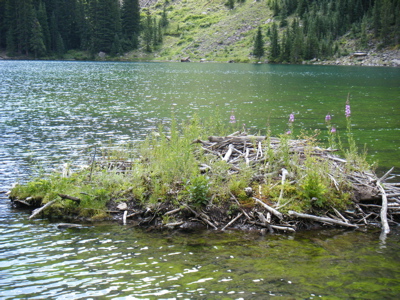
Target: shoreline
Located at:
point(371, 58)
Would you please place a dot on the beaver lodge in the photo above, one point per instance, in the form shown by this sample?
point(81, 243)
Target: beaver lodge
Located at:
point(236, 181)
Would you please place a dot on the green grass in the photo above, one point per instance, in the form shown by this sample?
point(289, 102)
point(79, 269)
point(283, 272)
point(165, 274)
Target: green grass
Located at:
point(208, 30)
point(165, 169)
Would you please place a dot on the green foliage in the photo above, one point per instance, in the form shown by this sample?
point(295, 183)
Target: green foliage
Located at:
point(165, 168)
point(258, 50)
point(198, 189)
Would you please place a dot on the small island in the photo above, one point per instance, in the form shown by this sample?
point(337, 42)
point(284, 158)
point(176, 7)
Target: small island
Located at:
point(197, 175)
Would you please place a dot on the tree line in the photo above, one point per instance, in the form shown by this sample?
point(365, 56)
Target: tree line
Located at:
point(308, 29)
point(48, 27)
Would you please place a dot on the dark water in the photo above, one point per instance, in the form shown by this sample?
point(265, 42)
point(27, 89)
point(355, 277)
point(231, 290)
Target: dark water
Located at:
point(52, 112)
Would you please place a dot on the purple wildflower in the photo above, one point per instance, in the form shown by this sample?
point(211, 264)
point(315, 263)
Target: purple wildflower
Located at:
point(232, 118)
point(328, 118)
point(348, 111)
point(291, 118)
point(333, 130)
point(289, 132)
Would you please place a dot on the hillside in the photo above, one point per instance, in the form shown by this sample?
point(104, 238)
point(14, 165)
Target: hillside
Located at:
point(209, 30)
point(273, 31)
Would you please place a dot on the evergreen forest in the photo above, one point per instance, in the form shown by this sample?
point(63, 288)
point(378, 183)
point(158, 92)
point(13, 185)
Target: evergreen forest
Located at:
point(277, 30)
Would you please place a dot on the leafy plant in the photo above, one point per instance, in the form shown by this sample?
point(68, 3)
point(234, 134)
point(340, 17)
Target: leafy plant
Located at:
point(198, 189)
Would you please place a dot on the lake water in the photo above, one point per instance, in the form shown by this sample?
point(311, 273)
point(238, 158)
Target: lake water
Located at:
point(52, 112)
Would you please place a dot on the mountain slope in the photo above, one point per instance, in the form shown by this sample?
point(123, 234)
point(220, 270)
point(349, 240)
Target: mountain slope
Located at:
point(205, 29)
point(210, 30)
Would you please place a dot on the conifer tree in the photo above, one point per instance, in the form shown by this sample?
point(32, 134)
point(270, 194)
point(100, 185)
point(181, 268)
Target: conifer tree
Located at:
point(274, 46)
point(296, 50)
point(44, 24)
point(386, 17)
point(148, 31)
point(363, 37)
point(36, 41)
point(130, 16)
point(24, 19)
point(258, 50)
point(164, 18)
point(376, 15)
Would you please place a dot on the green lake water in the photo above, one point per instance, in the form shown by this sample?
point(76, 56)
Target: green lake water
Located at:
point(52, 112)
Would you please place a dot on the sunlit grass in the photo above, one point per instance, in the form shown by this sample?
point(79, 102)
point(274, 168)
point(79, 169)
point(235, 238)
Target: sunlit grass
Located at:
point(165, 168)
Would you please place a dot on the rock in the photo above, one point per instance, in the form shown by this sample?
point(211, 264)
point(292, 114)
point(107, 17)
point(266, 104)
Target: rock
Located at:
point(122, 206)
point(396, 62)
point(68, 225)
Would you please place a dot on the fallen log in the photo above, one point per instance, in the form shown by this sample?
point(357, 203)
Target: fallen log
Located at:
point(40, 209)
point(68, 225)
point(233, 221)
point(236, 139)
point(383, 214)
point(321, 219)
point(77, 200)
point(269, 208)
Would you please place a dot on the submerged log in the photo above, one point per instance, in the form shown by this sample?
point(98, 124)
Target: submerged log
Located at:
point(40, 209)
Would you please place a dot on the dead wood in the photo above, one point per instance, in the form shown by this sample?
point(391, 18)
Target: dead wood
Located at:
point(40, 209)
point(70, 198)
point(321, 219)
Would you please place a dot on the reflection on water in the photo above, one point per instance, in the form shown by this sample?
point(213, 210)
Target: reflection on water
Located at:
point(53, 112)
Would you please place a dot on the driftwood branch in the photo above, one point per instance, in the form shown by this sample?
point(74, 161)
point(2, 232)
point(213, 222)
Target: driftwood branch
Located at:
point(284, 173)
point(383, 214)
point(172, 211)
point(201, 217)
point(40, 209)
point(233, 221)
point(124, 217)
point(321, 219)
point(78, 200)
point(269, 208)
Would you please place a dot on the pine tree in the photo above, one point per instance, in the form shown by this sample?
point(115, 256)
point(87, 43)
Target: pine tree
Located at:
point(386, 17)
point(130, 16)
point(274, 46)
point(148, 32)
point(286, 45)
point(258, 50)
point(36, 40)
point(296, 50)
point(44, 24)
point(24, 19)
point(376, 15)
point(106, 24)
point(164, 18)
point(3, 28)
point(363, 37)
point(116, 47)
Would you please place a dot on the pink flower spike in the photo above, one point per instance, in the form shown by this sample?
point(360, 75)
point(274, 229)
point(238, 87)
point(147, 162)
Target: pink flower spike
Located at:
point(348, 111)
point(291, 118)
point(232, 118)
point(328, 118)
point(333, 130)
point(289, 132)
